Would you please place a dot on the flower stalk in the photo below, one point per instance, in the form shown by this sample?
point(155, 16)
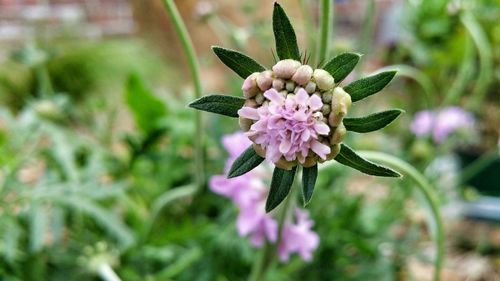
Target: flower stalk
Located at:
point(326, 29)
point(188, 48)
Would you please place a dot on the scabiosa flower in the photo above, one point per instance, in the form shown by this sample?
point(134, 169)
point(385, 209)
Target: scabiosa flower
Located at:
point(442, 123)
point(249, 193)
point(295, 114)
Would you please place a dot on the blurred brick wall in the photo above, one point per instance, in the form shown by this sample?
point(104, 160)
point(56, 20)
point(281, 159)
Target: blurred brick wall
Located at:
point(25, 19)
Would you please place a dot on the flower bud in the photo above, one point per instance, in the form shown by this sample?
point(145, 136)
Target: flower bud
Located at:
point(284, 93)
point(290, 86)
point(265, 80)
point(338, 134)
point(325, 109)
point(249, 87)
point(245, 123)
point(327, 97)
point(303, 75)
point(284, 164)
point(250, 103)
point(286, 68)
point(335, 149)
point(341, 101)
point(297, 89)
point(310, 161)
point(310, 87)
point(259, 150)
point(259, 99)
point(323, 79)
point(278, 84)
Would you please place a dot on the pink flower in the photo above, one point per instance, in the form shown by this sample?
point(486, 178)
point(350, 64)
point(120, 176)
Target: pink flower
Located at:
point(288, 127)
point(298, 238)
point(254, 220)
point(441, 124)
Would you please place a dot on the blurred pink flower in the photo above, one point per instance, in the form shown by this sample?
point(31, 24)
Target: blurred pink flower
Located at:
point(298, 238)
point(288, 127)
point(442, 123)
point(249, 193)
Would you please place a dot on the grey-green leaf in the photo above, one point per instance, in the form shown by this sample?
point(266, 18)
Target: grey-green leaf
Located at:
point(371, 122)
point(370, 85)
point(240, 63)
point(246, 162)
point(349, 158)
point(340, 66)
point(220, 104)
point(280, 187)
point(309, 176)
point(284, 35)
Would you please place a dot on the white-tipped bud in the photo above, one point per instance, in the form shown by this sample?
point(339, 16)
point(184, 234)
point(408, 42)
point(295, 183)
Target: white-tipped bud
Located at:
point(245, 123)
point(310, 87)
point(338, 135)
point(310, 161)
point(323, 79)
point(249, 87)
point(290, 86)
point(335, 149)
point(251, 103)
point(303, 75)
point(278, 84)
point(259, 99)
point(265, 80)
point(285, 69)
point(341, 101)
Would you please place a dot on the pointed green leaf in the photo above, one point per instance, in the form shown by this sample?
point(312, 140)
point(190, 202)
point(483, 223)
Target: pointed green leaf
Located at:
point(246, 162)
point(240, 63)
point(340, 66)
point(368, 86)
point(220, 104)
point(280, 187)
point(309, 176)
point(349, 158)
point(371, 122)
point(284, 35)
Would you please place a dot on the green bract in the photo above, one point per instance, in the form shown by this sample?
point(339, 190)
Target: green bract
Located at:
point(337, 68)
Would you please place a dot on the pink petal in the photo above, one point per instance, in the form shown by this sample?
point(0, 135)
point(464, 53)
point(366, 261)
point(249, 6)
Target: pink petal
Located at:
point(315, 102)
point(274, 96)
point(320, 149)
point(301, 97)
point(321, 128)
point(285, 146)
point(248, 112)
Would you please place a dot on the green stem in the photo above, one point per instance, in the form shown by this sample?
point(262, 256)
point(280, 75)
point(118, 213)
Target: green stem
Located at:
point(107, 273)
point(429, 194)
point(485, 60)
point(463, 76)
point(45, 89)
point(266, 258)
point(326, 9)
point(308, 25)
point(187, 45)
point(478, 165)
point(367, 27)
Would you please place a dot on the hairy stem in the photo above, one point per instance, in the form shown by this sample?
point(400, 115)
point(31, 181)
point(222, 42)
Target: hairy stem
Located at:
point(107, 273)
point(268, 253)
point(188, 48)
point(429, 194)
point(326, 25)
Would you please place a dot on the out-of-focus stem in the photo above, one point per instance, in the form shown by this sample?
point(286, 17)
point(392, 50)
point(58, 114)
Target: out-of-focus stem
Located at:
point(268, 253)
point(326, 25)
point(107, 273)
point(429, 194)
point(485, 60)
point(463, 77)
point(188, 48)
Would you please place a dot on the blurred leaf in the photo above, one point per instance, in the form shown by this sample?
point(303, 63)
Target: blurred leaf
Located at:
point(280, 187)
point(246, 162)
point(11, 236)
point(309, 176)
point(39, 226)
point(340, 66)
point(349, 158)
point(371, 122)
point(240, 63)
point(284, 35)
point(220, 104)
point(368, 86)
point(147, 109)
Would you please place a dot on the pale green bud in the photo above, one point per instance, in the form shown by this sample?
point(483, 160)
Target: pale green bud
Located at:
point(303, 75)
point(310, 87)
point(323, 79)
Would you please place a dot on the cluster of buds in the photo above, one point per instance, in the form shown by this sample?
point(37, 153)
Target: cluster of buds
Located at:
point(293, 114)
